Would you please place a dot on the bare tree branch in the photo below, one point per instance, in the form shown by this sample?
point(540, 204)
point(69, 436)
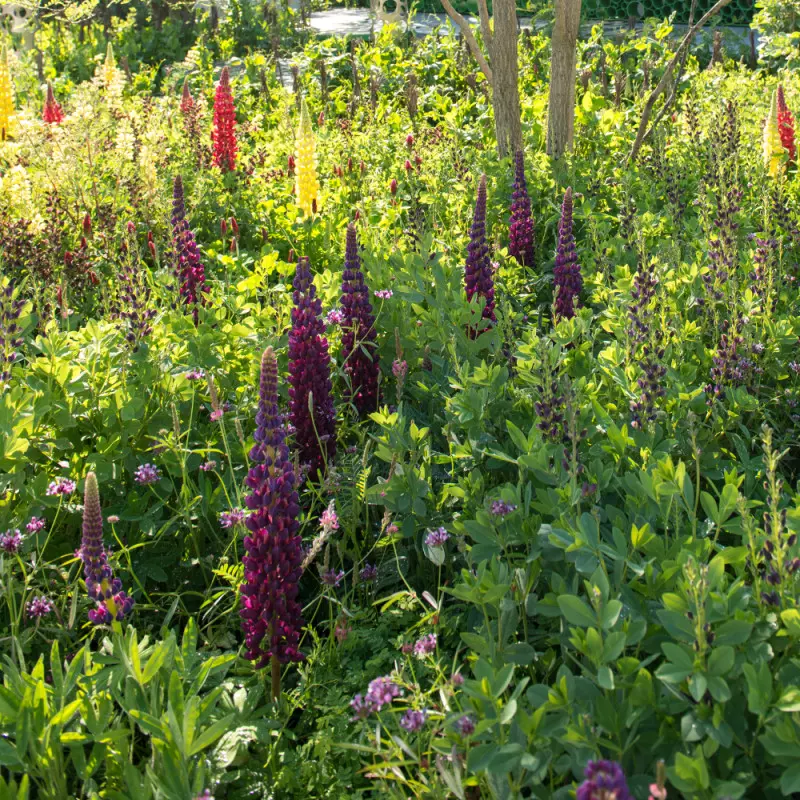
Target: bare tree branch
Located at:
point(486, 27)
point(472, 42)
point(666, 77)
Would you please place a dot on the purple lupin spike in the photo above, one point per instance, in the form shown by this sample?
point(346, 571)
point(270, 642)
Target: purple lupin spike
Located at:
point(478, 271)
point(188, 266)
point(604, 780)
point(567, 270)
point(521, 232)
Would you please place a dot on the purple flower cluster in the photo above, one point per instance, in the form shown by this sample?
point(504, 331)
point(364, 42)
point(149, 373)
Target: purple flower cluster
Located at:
point(521, 235)
point(368, 573)
point(413, 720)
point(147, 474)
point(60, 487)
point(437, 538)
point(311, 408)
point(135, 299)
point(425, 645)
point(106, 590)
point(383, 294)
point(605, 780)
point(195, 375)
point(229, 519)
point(465, 725)
point(35, 525)
point(10, 330)
point(502, 509)
point(380, 692)
point(188, 267)
point(478, 270)
point(359, 349)
point(334, 317)
point(11, 541)
point(567, 270)
point(723, 249)
point(271, 614)
point(332, 577)
point(39, 607)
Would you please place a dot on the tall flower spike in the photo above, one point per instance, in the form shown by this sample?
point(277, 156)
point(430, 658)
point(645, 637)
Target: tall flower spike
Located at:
point(604, 780)
point(786, 125)
point(223, 131)
point(359, 349)
point(109, 67)
point(478, 270)
point(773, 147)
point(106, 590)
point(306, 168)
point(187, 101)
point(52, 113)
point(567, 270)
point(188, 267)
point(7, 113)
point(271, 614)
point(522, 242)
point(311, 405)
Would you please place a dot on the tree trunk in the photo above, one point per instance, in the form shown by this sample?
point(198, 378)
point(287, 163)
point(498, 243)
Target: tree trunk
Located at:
point(561, 103)
point(505, 69)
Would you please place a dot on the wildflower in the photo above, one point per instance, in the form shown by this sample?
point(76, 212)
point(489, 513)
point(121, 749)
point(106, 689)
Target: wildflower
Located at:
point(393, 186)
point(134, 297)
point(61, 486)
point(109, 72)
point(208, 466)
point(502, 509)
point(773, 147)
point(425, 645)
point(605, 780)
point(35, 525)
point(147, 474)
point(305, 164)
point(271, 613)
point(383, 294)
point(382, 691)
point(328, 519)
point(334, 317)
point(11, 541)
point(11, 307)
point(229, 519)
point(399, 369)
point(478, 269)
point(413, 720)
point(39, 607)
point(188, 267)
point(410, 141)
point(567, 270)
point(362, 707)
point(112, 519)
point(205, 796)
point(52, 113)
point(311, 408)
point(7, 114)
point(437, 538)
point(223, 130)
point(331, 577)
point(465, 725)
point(457, 679)
point(342, 630)
point(658, 789)
point(187, 101)
point(521, 235)
point(786, 125)
point(195, 375)
point(368, 573)
point(359, 350)
point(106, 590)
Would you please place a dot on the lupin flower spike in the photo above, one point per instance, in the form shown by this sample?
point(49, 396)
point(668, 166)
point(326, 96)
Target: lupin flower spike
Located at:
point(478, 270)
point(773, 147)
point(786, 125)
point(522, 242)
point(567, 270)
point(7, 113)
point(109, 67)
point(223, 131)
point(52, 113)
point(305, 164)
point(188, 267)
point(605, 780)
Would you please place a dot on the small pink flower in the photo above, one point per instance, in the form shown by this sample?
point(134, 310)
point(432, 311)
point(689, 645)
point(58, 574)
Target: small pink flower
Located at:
point(35, 525)
point(383, 294)
point(216, 415)
point(61, 486)
point(657, 792)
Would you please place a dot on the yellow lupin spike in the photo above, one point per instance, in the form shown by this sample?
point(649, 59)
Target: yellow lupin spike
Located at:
point(307, 184)
point(109, 67)
point(773, 147)
point(6, 98)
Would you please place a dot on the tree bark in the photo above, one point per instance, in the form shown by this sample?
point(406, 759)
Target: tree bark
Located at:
point(561, 101)
point(505, 98)
point(469, 37)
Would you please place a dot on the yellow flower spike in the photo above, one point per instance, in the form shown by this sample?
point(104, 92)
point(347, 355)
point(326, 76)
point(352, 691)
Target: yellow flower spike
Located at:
point(307, 184)
point(110, 67)
point(6, 98)
point(773, 147)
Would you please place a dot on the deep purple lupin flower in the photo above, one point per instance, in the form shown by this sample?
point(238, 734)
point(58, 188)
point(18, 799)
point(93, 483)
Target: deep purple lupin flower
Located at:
point(134, 295)
point(478, 270)
point(271, 614)
point(605, 780)
point(359, 350)
point(188, 267)
point(567, 270)
point(106, 590)
point(521, 235)
point(310, 403)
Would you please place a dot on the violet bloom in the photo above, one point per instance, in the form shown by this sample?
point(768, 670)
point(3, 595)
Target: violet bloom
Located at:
point(11, 541)
point(208, 466)
point(359, 349)
point(383, 294)
point(382, 691)
point(465, 725)
point(106, 590)
point(362, 707)
point(567, 270)
point(334, 317)
point(368, 573)
point(271, 614)
point(331, 577)
point(437, 538)
point(35, 525)
point(10, 330)
point(188, 267)
point(61, 487)
point(605, 780)
point(311, 408)
point(147, 474)
point(413, 721)
point(195, 375)
point(328, 520)
point(478, 271)
point(521, 231)
point(39, 607)
point(425, 645)
point(229, 519)
point(502, 509)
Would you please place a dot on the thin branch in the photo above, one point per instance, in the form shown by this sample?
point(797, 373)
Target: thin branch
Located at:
point(486, 28)
point(472, 42)
point(665, 78)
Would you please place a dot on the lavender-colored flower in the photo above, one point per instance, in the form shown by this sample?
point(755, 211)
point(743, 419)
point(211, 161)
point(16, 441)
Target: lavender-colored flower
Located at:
point(11, 541)
point(605, 780)
point(208, 466)
point(362, 707)
point(147, 474)
point(10, 339)
point(368, 573)
point(328, 519)
point(195, 375)
point(207, 793)
point(522, 244)
point(331, 577)
point(382, 691)
point(61, 487)
point(134, 298)
point(425, 645)
point(271, 615)
point(413, 720)
point(311, 408)
point(229, 519)
point(567, 270)
point(188, 266)
point(106, 590)
point(399, 369)
point(334, 317)
point(437, 538)
point(383, 294)
point(39, 607)
point(465, 725)
point(502, 509)
point(478, 270)
point(359, 349)
point(35, 525)
point(457, 679)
